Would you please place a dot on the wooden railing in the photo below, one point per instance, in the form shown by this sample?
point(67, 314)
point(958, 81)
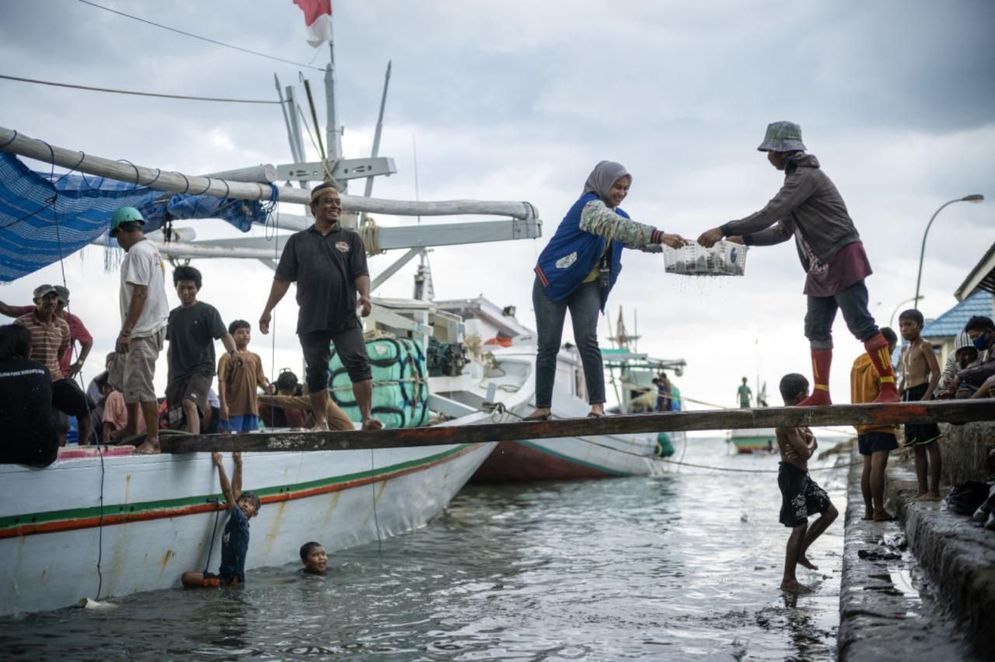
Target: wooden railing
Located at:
point(950, 411)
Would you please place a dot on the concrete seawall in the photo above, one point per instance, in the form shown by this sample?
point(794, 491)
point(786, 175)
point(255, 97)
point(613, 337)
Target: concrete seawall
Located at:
point(882, 615)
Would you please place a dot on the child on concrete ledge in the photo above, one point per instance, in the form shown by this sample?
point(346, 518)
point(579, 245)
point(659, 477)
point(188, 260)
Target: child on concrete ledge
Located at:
point(800, 496)
point(920, 375)
point(874, 442)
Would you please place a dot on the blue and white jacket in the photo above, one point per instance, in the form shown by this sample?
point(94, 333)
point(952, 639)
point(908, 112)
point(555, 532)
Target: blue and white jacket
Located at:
point(579, 243)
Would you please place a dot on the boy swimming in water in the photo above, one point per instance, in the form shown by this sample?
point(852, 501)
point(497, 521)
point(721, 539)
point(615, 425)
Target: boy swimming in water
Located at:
point(800, 495)
point(314, 558)
point(242, 506)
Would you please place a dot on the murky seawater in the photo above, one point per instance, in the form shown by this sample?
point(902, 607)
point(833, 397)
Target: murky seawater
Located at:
point(685, 566)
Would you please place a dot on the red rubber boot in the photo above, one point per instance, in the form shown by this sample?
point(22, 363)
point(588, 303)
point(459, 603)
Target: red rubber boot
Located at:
point(821, 360)
point(877, 349)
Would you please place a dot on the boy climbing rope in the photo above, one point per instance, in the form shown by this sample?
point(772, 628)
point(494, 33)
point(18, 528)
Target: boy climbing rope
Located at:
point(242, 506)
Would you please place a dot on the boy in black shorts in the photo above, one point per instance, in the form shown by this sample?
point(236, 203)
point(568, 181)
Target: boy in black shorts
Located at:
point(242, 506)
point(920, 375)
point(800, 496)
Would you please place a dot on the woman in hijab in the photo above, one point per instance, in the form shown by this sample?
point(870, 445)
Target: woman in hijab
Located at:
point(577, 270)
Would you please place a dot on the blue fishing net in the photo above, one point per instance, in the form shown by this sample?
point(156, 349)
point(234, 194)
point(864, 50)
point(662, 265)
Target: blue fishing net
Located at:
point(46, 217)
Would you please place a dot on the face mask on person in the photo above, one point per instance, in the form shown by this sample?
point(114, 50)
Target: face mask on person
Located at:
point(981, 342)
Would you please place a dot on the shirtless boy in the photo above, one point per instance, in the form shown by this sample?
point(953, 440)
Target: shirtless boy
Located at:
point(800, 496)
point(920, 375)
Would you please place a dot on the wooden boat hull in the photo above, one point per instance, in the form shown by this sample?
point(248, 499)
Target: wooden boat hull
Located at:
point(159, 514)
point(557, 459)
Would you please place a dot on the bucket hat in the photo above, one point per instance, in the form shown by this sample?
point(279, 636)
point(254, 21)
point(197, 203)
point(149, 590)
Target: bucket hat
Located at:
point(782, 136)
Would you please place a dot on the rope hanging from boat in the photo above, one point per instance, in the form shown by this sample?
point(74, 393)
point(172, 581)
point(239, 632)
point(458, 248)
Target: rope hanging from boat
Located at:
point(272, 210)
point(57, 219)
point(214, 533)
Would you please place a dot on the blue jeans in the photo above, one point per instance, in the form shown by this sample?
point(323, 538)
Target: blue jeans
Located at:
point(822, 311)
point(584, 304)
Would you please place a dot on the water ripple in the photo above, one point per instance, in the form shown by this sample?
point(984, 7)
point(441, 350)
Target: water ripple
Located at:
point(685, 566)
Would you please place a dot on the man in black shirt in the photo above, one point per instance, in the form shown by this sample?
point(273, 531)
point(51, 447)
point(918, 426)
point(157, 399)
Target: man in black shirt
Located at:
point(193, 327)
point(328, 263)
point(26, 415)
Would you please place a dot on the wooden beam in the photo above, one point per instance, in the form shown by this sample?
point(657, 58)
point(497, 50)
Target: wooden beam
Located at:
point(950, 411)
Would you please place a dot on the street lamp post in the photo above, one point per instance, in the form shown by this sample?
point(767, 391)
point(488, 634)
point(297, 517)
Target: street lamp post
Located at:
point(974, 197)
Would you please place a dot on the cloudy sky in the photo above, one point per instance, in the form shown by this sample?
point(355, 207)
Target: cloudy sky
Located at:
point(517, 100)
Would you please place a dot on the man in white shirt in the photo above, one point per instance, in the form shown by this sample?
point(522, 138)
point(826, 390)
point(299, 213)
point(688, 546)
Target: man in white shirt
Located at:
point(144, 313)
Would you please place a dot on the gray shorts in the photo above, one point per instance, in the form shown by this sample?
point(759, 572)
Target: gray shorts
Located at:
point(139, 367)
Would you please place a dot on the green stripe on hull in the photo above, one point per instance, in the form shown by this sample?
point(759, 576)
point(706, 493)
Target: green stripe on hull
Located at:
point(14, 521)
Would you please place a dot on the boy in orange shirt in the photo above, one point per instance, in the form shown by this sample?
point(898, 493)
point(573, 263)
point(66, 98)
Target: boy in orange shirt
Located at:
point(237, 382)
point(874, 442)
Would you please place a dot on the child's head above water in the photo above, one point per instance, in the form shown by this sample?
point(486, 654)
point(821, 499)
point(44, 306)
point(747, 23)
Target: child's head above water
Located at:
point(314, 558)
point(794, 388)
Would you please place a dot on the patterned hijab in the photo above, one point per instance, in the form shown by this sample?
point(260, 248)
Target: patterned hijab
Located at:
point(604, 175)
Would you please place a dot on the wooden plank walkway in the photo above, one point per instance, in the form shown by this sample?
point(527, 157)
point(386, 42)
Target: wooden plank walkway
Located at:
point(950, 411)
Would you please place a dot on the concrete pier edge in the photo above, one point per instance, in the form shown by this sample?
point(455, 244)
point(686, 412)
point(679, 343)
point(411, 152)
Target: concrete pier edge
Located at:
point(958, 556)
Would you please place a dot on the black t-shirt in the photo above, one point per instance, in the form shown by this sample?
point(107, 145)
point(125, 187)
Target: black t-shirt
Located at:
point(325, 269)
point(26, 416)
point(191, 334)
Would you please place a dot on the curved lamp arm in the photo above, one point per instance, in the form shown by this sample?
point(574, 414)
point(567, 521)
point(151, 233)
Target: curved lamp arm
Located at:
point(974, 197)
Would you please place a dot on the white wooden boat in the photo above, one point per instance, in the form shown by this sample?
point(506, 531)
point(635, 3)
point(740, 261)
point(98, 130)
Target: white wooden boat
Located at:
point(92, 527)
point(508, 349)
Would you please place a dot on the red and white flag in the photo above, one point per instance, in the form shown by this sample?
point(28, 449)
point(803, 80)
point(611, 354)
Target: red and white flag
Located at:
point(318, 18)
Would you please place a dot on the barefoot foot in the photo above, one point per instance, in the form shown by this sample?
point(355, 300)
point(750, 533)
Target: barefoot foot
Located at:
point(868, 514)
point(148, 447)
point(795, 588)
point(372, 424)
point(804, 562)
point(883, 516)
point(319, 427)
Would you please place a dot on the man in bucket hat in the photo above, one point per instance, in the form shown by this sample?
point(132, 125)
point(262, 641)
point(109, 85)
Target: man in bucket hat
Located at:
point(144, 313)
point(809, 208)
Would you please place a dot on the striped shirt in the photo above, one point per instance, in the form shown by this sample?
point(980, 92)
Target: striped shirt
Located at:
point(48, 341)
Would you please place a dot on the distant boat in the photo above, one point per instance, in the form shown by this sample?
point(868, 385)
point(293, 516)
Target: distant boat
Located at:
point(755, 440)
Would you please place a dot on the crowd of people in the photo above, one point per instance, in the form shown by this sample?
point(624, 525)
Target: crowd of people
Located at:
point(575, 272)
point(37, 370)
